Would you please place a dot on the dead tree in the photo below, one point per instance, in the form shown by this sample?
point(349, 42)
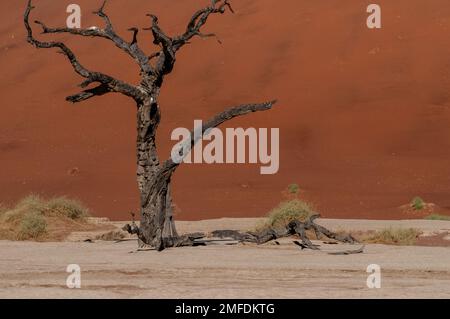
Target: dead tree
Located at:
point(157, 226)
point(295, 227)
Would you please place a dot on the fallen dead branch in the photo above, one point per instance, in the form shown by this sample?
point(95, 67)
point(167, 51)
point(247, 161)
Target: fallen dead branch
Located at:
point(295, 227)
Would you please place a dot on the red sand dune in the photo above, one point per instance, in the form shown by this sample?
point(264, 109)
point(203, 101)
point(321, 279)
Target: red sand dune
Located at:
point(363, 114)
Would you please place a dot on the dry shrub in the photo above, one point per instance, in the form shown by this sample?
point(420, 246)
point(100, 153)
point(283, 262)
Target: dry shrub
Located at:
point(285, 212)
point(31, 203)
point(288, 211)
point(394, 236)
point(34, 218)
point(71, 208)
point(32, 226)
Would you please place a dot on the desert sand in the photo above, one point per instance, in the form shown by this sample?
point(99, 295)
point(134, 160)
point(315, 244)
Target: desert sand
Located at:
point(117, 270)
point(363, 114)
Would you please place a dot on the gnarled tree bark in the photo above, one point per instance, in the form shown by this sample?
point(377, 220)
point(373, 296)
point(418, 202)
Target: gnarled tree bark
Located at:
point(295, 227)
point(157, 226)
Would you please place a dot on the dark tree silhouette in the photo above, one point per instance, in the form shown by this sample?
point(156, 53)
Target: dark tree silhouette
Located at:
point(157, 226)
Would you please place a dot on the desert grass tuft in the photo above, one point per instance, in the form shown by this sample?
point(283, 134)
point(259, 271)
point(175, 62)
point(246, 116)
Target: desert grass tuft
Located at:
point(31, 202)
point(293, 189)
point(418, 203)
point(71, 208)
point(35, 218)
point(394, 236)
point(288, 211)
point(285, 212)
point(32, 226)
point(437, 217)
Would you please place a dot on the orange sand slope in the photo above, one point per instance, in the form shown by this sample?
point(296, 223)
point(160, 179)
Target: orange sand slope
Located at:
point(363, 114)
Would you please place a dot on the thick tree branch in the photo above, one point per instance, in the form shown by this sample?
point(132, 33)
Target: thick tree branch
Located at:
point(166, 56)
point(132, 49)
point(87, 94)
point(108, 83)
point(170, 45)
point(169, 166)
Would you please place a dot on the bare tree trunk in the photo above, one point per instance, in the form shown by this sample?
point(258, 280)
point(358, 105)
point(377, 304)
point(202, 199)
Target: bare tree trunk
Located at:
point(157, 227)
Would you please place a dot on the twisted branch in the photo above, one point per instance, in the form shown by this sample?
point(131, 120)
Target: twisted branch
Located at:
point(199, 19)
point(214, 122)
point(132, 49)
point(107, 83)
point(170, 45)
point(295, 227)
point(169, 166)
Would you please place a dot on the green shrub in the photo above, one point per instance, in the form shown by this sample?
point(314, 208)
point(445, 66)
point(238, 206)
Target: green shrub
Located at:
point(32, 226)
point(287, 211)
point(397, 236)
point(293, 189)
point(417, 203)
point(68, 207)
point(437, 217)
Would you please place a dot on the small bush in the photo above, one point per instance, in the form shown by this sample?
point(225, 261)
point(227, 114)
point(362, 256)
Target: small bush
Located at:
point(417, 203)
point(35, 218)
point(288, 211)
point(437, 217)
point(67, 207)
point(32, 202)
point(32, 226)
point(395, 236)
point(293, 189)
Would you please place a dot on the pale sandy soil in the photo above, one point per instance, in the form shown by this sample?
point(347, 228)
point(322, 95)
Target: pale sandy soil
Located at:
point(116, 270)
